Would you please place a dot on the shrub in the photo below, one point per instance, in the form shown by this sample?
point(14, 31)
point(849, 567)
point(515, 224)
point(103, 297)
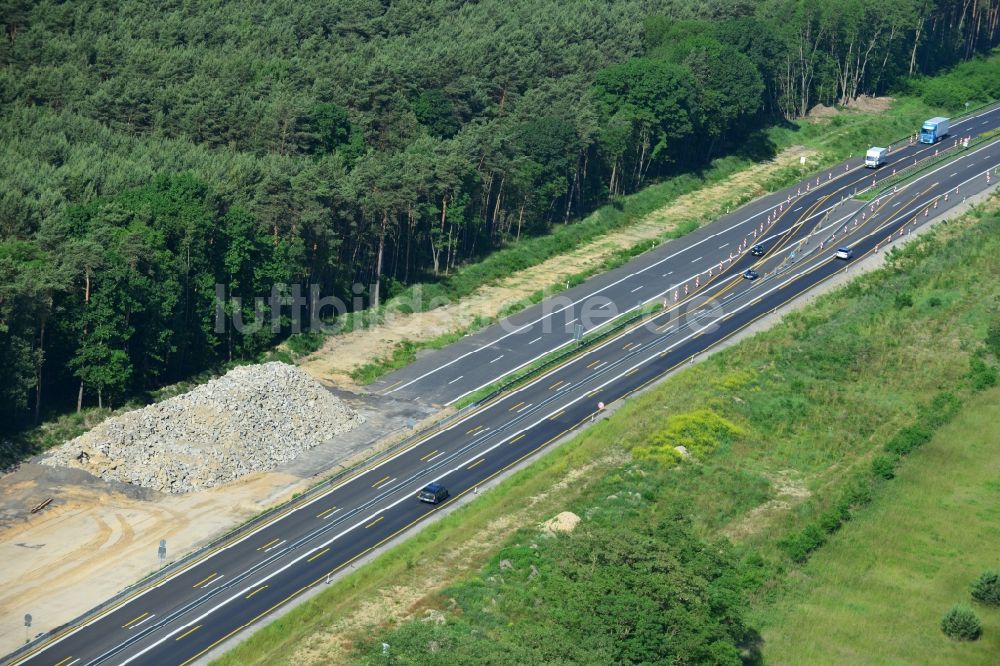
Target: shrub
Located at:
point(961, 623)
point(799, 545)
point(993, 338)
point(986, 589)
point(884, 467)
point(981, 374)
point(903, 300)
point(942, 409)
point(830, 521)
point(908, 439)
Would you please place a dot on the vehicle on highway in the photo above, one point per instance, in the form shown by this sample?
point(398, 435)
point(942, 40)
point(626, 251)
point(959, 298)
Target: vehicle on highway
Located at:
point(844, 253)
point(875, 157)
point(433, 493)
point(934, 129)
point(757, 250)
point(750, 274)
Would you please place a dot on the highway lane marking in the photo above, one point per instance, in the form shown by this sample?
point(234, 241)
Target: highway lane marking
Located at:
point(601, 307)
point(535, 340)
point(953, 175)
point(637, 345)
point(473, 431)
point(795, 210)
point(571, 322)
point(143, 621)
point(275, 545)
point(61, 663)
point(694, 261)
point(593, 393)
point(723, 246)
point(386, 389)
point(374, 522)
point(557, 415)
point(326, 511)
point(516, 406)
point(497, 358)
point(600, 365)
point(633, 370)
point(212, 582)
point(430, 455)
point(637, 289)
point(667, 273)
point(322, 552)
point(376, 484)
point(197, 627)
point(205, 580)
point(557, 384)
point(521, 436)
point(361, 554)
point(58, 638)
point(608, 286)
point(627, 345)
point(593, 363)
point(478, 462)
point(455, 379)
point(135, 619)
point(524, 408)
point(660, 329)
point(271, 542)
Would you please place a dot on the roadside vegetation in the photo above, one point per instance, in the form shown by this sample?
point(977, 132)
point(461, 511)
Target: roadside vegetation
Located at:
point(801, 435)
point(152, 159)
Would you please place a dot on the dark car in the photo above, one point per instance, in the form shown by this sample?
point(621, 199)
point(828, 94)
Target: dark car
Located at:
point(844, 253)
point(757, 250)
point(750, 274)
point(433, 493)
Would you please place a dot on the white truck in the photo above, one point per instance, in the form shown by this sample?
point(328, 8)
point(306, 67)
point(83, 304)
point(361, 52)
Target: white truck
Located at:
point(875, 157)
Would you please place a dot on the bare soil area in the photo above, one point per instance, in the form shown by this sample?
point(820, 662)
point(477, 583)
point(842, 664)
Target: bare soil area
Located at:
point(343, 353)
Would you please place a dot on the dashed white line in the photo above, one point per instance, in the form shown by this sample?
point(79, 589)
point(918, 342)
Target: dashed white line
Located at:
point(523, 408)
point(456, 379)
point(694, 261)
point(953, 175)
point(497, 358)
point(637, 288)
point(724, 245)
point(667, 273)
point(535, 340)
point(266, 550)
point(148, 618)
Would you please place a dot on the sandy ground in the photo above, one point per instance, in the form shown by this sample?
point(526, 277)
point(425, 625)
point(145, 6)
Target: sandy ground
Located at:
point(94, 539)
point(343, 353)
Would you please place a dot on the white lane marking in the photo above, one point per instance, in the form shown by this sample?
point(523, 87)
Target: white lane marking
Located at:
point(604, 288)
point(148, 618)
point(523, 408)
point(637, 289)
point(724, 245)
point(211, 582)
point(898, 203)
point(694, 261)
point(953, 175)
point(456, 379)
point(795, 210)
point(497, 358)
point(324, 495)
point(439, 453)
point(600, 365)
point(275, 545)
point(603, 306)
point(667, 273)
point(571, 322)
point(532, 342)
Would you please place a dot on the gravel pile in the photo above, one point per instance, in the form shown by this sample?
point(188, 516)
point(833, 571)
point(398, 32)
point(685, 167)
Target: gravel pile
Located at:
point(252, 419)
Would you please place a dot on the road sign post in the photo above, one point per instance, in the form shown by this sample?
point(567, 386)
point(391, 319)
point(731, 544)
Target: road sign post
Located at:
point(27, 626)
point(161, 552)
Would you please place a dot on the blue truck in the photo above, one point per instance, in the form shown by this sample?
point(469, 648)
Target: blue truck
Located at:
point(934, 130)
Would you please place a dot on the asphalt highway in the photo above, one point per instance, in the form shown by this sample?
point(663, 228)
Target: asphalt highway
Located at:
point(444, 376)
point(181, 618)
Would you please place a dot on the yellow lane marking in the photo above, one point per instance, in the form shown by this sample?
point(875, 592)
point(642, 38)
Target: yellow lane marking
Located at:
point(429, 455)
point(593, 363)
point(374, 521)
point(635, 370)
point(134, 620)
point(205, 580)
point(323, 513)
point(269, 543)
point(593, 393)
point(259, 589)
point(322, 552)
point(473, 431)
point(64, 660)
point(627, 345)
point(517, 438)
point(556, 384)
point(557, 415)
point(191, 630)
point(380, 481)
point(481, 460)
point(406, 527)
point(516, 406)
point(392, 386)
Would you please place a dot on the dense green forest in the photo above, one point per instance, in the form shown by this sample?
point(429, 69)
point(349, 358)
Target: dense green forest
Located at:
point(152, 151)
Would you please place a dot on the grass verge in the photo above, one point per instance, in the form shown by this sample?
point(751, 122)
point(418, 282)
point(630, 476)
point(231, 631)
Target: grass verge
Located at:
point(877, 592)
point(782, 426)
